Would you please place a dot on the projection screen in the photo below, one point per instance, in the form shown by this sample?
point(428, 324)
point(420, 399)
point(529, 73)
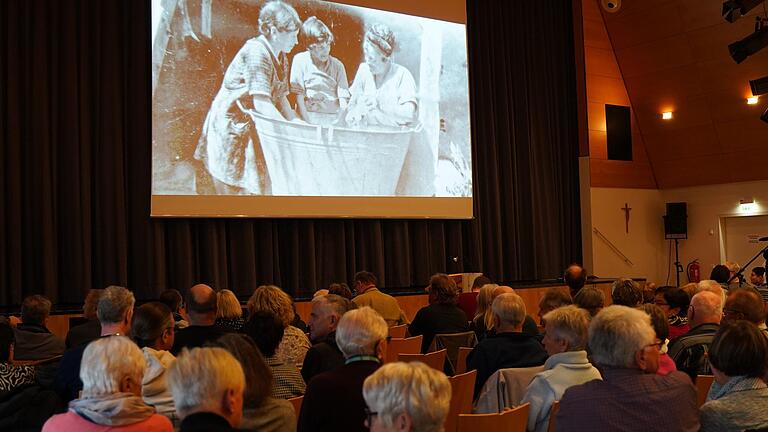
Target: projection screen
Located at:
point(309, 108)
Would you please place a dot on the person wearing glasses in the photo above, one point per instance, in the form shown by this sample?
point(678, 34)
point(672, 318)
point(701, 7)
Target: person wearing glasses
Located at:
point(334, 399)
point(318, 80)
point(745, 304)
point(631, 396)
point(738, 397)
point(674, 302)
point(406, 397)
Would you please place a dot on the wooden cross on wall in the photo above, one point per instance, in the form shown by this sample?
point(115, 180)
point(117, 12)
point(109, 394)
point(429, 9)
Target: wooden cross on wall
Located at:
point(626, 209)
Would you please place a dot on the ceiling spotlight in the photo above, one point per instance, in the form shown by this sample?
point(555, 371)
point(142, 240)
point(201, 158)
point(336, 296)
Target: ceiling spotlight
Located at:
point(749, 45)
point(666, 115)
point(734, 9)
point(752, 100)
point(759, 86)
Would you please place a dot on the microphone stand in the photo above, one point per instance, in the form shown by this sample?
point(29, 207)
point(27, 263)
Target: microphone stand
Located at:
point(763, 252)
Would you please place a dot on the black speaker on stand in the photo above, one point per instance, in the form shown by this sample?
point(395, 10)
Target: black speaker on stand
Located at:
point(676, 228)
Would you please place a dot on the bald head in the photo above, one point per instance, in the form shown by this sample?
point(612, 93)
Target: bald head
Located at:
point(714, 287)
point(744, 304)
point(201, 305)
point(706, 308)
point(502, 289)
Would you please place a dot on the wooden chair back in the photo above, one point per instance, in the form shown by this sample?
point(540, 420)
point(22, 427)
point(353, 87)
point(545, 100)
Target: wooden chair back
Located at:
point(703, 383)
point(461, 360)
point(511, 420)
point(552, 414)
point(396, 347)
point(435, 360)
point(398, 331)
point(462, 389)
point(296, 402)
point(40, 362)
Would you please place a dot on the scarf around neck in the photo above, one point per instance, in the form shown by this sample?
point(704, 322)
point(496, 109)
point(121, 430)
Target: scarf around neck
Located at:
point(115, 409)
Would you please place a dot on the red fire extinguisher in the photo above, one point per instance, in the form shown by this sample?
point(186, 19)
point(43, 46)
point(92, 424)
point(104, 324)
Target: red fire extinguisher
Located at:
point(693, 270)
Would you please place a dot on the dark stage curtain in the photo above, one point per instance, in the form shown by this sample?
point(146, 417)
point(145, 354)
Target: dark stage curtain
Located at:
point(76, 165)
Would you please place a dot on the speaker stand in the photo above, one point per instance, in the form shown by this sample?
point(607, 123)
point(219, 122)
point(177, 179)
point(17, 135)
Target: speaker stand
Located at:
point(678, 266)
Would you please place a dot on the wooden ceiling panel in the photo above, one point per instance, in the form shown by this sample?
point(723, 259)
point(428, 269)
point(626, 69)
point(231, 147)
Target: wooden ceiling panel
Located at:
point(711, 43)
point(687, 113)
point(697, 14)
point(668, 85)
point(691, 171)
point(606, 90)
point(654, 56)
point(728, 106)
point(635, 7)
point(727, 75)
point(595, 35)
point(610, 173)
point(601, 62)
point(748, 165)
point(596, 116)
point(644, 26)
point(590, 10)
point(639, 148)
point(598, 148)
point(744, 135)
point(681, 143)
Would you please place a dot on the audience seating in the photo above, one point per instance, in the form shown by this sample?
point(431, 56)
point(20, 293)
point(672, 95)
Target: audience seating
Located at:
point(398, 331)
point(435, 360)
point(452, 342)
point(396, 347)
point(703, 383)
point(461, 360)
point(504, 389)
point(511, 420)
point(462, 387)
point(552, 414)
point(296, 402)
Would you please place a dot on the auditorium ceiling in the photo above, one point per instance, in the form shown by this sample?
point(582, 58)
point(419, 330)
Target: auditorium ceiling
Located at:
point(673, 56)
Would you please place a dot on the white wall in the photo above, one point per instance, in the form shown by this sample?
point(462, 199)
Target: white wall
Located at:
point(644, 245)
point(706, 206)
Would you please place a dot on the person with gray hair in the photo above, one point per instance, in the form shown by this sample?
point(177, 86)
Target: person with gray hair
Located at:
point(207, 386)
point(324, 355)
point(407, 397)
point(509, 346)
point(362, 337)
point(688, 351)
point(115, 313)
point(33, 339)
point(111, 373)
point(631, 396)
point(565, 341)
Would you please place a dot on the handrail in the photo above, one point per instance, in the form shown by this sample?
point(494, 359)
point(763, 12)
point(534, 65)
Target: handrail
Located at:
point(612, 246)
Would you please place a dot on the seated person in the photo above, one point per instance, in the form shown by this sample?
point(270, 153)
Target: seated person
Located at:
point(202, 305)
point(626, 292)
point(508, 347)
point(738, 396)
point(661, 328)
point(565, 341)
point(207, 386)
point(115, 313)
point(152, 330)
point(294, 344)
point(482, 324)
point(442, 315)
point(554, 298)
point(89, 330)
point(334, 399)
point(575, 277)
point(745, 304)
point(590, 299)
point(393, 405)
point(11, 376)
point(261, 412)
point(111, 372)
point(631, 395)
point(229, 313)
point(369, 295)
point(318, 79)
point(33, 339)
point(173, 299)
point(325, 354)
point(674, 302)
point(340, 289)
point(688, 351)
point(267, 331)
point(468, 300)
